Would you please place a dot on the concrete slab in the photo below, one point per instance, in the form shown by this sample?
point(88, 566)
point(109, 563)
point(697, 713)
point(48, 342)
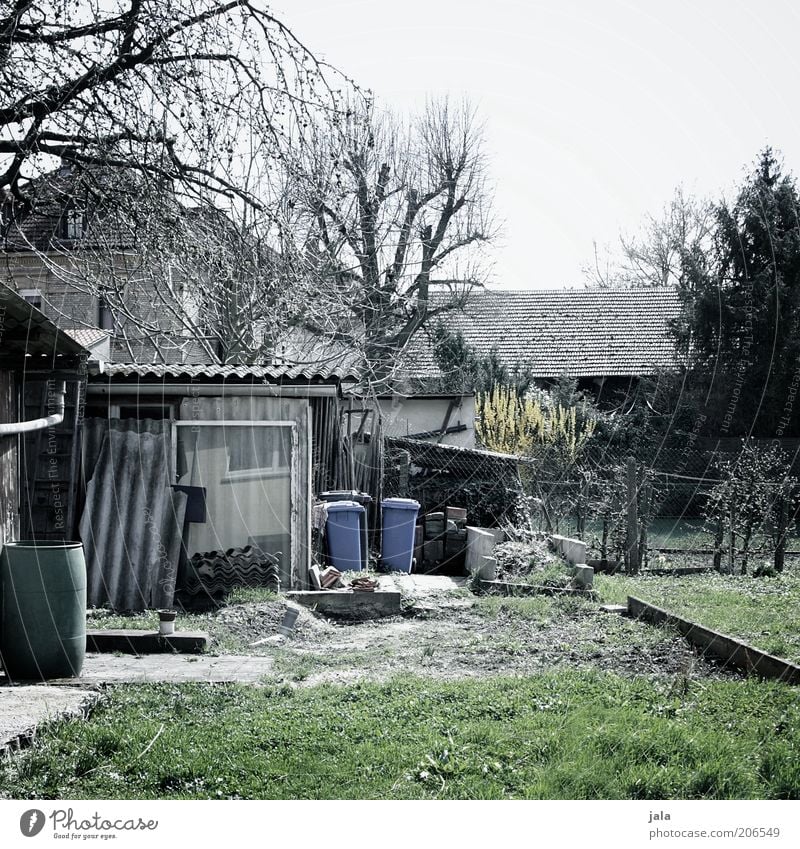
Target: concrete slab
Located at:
point(24, 707)
point(422, 584)
point(169, 668)
point(620, 609)
point(133, 641)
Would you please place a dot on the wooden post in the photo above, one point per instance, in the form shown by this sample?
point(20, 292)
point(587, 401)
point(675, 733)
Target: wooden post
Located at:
point(732, 544)
point(647, 501)
point(718, 540)
point(780, 544)
point(632, 534)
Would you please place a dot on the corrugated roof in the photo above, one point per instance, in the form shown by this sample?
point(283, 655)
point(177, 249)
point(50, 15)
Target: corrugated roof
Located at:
point(26, 330)
point(577, 332)
point(178, 371)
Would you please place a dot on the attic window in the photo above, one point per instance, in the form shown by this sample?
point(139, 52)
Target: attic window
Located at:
point(32, 296)
point(73, 223)
point(105, 316)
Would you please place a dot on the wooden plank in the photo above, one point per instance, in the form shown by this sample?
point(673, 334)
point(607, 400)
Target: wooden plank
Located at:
point(9, 459)
point(728, 650)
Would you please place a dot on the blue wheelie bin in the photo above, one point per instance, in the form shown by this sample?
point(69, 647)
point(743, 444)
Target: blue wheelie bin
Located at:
point(362, 498)
point(343, 535)
point(399, 520)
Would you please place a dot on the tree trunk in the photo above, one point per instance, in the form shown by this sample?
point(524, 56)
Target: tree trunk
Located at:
point(604, 541)
point(644, 516)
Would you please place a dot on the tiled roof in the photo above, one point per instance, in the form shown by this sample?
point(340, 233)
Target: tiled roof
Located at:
point(573, 332)
point(227, 372)
point(87, 336)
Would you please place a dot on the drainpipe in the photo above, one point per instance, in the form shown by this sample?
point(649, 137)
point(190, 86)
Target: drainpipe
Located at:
point(58, 393)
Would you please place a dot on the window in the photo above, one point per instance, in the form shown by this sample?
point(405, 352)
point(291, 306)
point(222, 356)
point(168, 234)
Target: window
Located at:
point(257, 452)
point(144, 411)
point(32, 296)
point(105, 317)
point(73, 224)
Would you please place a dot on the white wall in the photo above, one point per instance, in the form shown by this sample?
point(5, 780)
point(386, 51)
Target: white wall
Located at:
point(406, 416)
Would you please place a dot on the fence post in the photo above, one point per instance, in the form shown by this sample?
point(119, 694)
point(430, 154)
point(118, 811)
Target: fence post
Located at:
point(719, 538)
point(645, 517)
point(632, 535)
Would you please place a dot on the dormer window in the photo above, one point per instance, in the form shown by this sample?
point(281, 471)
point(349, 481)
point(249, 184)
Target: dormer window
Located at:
point(105, 316)
point(32, 296)
point(73, 224)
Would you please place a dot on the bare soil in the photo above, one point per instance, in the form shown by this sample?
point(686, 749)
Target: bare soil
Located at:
point(448, 633)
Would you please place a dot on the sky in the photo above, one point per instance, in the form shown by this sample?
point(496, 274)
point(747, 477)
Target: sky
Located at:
point(593, 111)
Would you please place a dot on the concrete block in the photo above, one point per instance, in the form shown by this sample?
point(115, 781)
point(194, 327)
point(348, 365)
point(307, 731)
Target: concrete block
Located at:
point(480, 544)
point(584, 577)
point(574, 550)
point(489, 568)
point(346, 604)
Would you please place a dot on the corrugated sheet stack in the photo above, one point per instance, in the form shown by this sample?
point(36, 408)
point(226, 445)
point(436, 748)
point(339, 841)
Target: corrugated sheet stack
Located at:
point(215, 573)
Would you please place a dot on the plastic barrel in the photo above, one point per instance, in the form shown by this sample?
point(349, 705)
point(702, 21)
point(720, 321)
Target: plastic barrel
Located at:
point(42, 610)
point(343, 534)
point(399, 520)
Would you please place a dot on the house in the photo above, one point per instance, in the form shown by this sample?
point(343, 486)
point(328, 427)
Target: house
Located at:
point(99, 249)
point(42, 370)
point(605, 339)
point(445, 418)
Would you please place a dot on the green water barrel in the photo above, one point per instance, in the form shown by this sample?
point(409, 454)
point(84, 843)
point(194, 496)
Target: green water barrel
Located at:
point(42, 610)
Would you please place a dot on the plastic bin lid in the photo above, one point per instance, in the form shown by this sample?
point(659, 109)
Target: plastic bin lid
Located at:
point(346, 495)
point(339, 506)
point(400, 503)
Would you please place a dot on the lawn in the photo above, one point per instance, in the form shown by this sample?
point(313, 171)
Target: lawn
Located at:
point(761, 611)
point(673, 533)
point(571, 735)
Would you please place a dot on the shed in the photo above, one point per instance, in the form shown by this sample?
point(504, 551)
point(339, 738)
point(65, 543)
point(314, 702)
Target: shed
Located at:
point(42, 373)
point(197, 478)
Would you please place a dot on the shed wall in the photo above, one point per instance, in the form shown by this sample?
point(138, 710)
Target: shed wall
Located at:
point(9, 494)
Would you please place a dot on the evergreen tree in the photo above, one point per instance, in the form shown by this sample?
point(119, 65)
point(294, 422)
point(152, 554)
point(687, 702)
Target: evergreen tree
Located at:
point(741, 323)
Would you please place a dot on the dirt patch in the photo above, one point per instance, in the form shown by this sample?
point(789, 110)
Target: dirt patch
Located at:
point(456, 635)
point(238, 626)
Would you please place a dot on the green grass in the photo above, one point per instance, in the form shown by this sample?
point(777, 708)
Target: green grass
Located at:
point(573, 735)
point(538, 608)
point(682, 534)
point(760, 611)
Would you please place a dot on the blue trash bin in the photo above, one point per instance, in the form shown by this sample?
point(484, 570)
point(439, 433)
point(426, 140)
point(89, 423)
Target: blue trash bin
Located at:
point(399, 521)
point(362, 498)
point(343, 535)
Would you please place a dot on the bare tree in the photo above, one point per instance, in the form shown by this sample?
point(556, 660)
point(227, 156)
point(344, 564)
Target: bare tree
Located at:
point(656, 255)
point(198, 92)
point(139, 146)
point(392, 220)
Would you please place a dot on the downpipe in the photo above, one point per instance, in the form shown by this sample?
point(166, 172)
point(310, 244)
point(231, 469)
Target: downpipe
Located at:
point(57, 394)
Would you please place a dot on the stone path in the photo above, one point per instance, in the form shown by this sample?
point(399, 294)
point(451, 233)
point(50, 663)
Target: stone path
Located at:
point(25, 706)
